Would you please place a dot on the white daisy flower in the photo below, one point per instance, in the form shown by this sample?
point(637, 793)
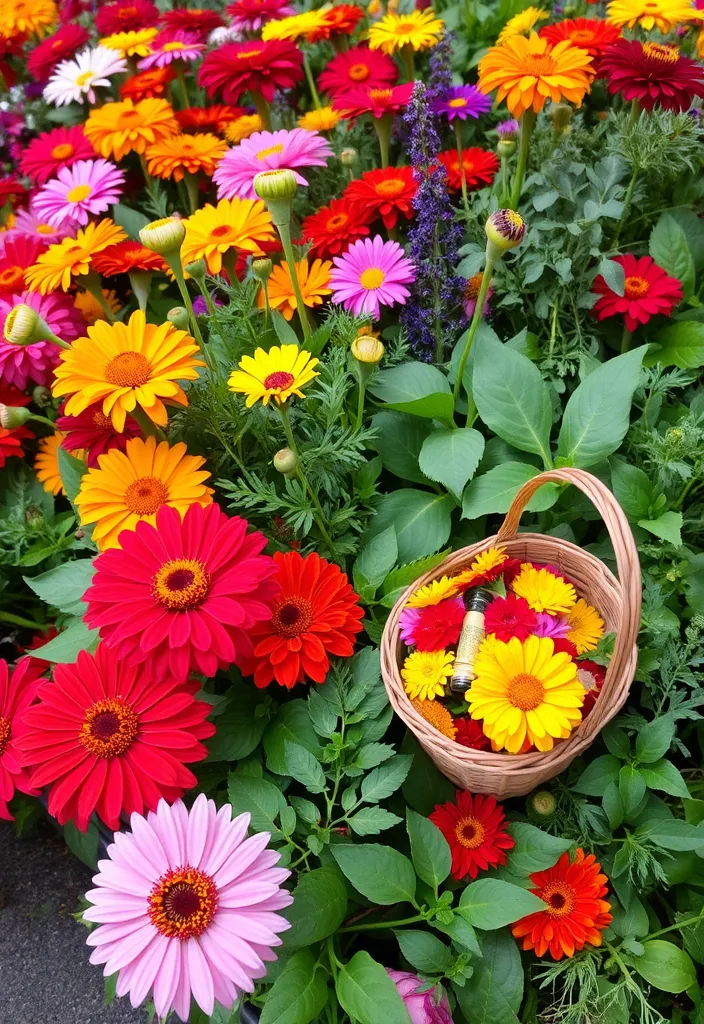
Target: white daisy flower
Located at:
point(77, 78)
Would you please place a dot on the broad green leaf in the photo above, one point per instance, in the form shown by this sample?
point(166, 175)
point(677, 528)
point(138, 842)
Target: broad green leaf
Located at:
point(535, 850)
point(680, 344)
point(284, 331)
point(613, 805)
point(370, 821)
point(302, 766)
point(66, 647)
point(318, 908)
point(421, 518)
point(260, 798)
point(668, 247)
point(398, 579)
point(239, 727)
point(633, 489)
point(596, 777)
point(425, 786)
point(667, 527)
point(386, 779)
point(83, 845)
point(377, 558)
point(299, 993)
point(665, 966)
point(664, 777)
point(654, 740)
point(367, 994)
point(399, 439)
point(430, 851)
point(614, 275)
point(416, 388)
point(632, 919)
point(451, 457)
point(491, 903)
point(380, 873)
point(131, 221)
point(461, 933)
point(673, 834)
point(424, 950)
point(494, 491)
point(494, 993)
point(71, 471)
point(64, 586)
point(631, 789)
point(292, 723)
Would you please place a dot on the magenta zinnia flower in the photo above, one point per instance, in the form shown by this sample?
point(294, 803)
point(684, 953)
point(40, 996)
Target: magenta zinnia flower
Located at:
point(21, 363)
point(87, 188)
point(17, 691)
point(268, 151)
point(93, 431)
point(371, 274)
point(52, 151)
point(463, 101)
point(28, 224)
point(250, 15)
point(170, 46)
point(186, 905)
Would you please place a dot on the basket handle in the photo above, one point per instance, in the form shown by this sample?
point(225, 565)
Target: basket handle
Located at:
point(616, 524)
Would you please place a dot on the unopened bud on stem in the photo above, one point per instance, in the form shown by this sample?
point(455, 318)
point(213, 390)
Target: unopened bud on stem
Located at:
point(505, 230)
point(196, 270)
point(13, 416)
point(178, 316)
point(164, 236)
point(286, 462)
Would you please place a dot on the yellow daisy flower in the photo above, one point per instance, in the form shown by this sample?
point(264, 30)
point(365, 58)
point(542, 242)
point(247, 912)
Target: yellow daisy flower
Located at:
point(232, 224)
point(485, 568)
point(46, 463)
point(131, 486)
point(524, 690)
point(278, 373)
point(521, 24)
point(544, 591)
point(438, 715)
point(586, 626)
point(131, 44)
point(117, 129)
point(27, 17)
point(91, 308)
point(181, 154)
point(433, 592)
point(419, 30)
point(313, 280)
point(296, 26)
point(663, 15)
point(322, 120)
point(125, 366)
point(70, 258)
point(242, 127)
point(425, 673)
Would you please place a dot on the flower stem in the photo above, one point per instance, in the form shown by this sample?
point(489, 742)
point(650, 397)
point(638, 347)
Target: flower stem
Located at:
point(697, 919)
point(192, 190)
point(460, 161)
point(148, 428)
point(382, 126)
point(18, 620)
point(174, 262)
point(140, 281)
point(527, 126)
point(92, 284)
point(207, 298)
point(407, 52)
point(318, 513)
point(626, 339)
point(382, 924)
point(43, 419)
point(311, 82)
point(626, 206)
point(262, 108)
point(182, 85)
point(285, 233)
point(481, 298)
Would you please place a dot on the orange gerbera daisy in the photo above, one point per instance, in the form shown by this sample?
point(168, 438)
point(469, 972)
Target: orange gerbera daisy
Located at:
point(181, 154)
point(526, 72)
point(71, 257)
point(590, 34)
point(125, 257)
point(576, 912)
point(233, 224)
point(117, 129)
point(147, 84)
point(313, 280)
point(91, 309)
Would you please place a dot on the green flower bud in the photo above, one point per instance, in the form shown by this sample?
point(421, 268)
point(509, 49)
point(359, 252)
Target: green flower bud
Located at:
point(178, 316)
point(504, 230)
point(543, 803)
point(286, 462)
point(41, 396)
point(13, 416)
point(24, 326)
point(262, 269)
point(196, 270)
point(349, 157)
point(560, 115)
point(164, 236)
point(276, 185)
point(506, 147)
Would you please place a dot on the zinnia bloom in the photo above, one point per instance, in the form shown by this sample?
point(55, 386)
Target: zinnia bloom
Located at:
point(522, 23)
point(186, 906)
point(470, 734)
point(117, 129)
point(648, 291)
point(135, 43)
point(27, 17)
point(20, 364)
point(269, 151)
point(192, 19)
point(474, 829)
point(107, 737)
point(664, 15)
point(126, 257)
point(313, 280)
point(591, 34)
point(53, 151)
point(126, 14)
point(358, 66)
point(183, 596)
point(377, 101)
point(46, 464)
point(462, 101)
point(434, 627)
point(178, 155)
point(62, 44)
point(170, 46)
point(654, 74)
point(419, 30)
point(510, 616)
point(384, 193)
point(75, 80)
point(315, 615)
point(131, 486)
point(71, 258)
point(83, 190)
point(437, 715)
point(234, 223)
point(426, 674)
point(586, 626)
point(528, 71)
point(591, 675)
point(523, 690)
point(320, 119)
point(147, 85)
point(576, 912)
point(250, 15)
point(334, 227)
point(125, 365)
point(215, 117)
point(279, 373)
point(92, 432)
point(18, 689)
point(479, 167)
point(371, 274)
point(544, 591)
point(254, 66)
point(17, 255)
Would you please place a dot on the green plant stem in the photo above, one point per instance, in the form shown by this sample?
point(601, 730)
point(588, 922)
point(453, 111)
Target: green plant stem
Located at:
point(688, 921)
point(140, 281)
point(182, 85)
point(361, 392)
point(285, 234)
point(262, 108)
point(463, 176)
point(43, 419)
point(18, 620)
point(192, 191)
point(407, 53)
point(91, 283)
point(626, 204)
point(229, 262)
point(267, 304)
point(318, 513)
point(382, 127)
point(481, 297)
point(505, 196)
point(626, 339)
point(376, 925)
point(527, 126)
point(207, 298)
point(634, 114)
point(174, 262)
point(145, 172)
point(311, 82)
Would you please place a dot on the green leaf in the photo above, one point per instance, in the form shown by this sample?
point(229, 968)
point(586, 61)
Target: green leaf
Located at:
point(665, 966)
point(512, 397)
point(318, 909)
point(293, 724)
point(262, 799)
point(631, 919)
point(399, 439)
point(284, 332)
point(613, 805)
point(668, 247)
point(302, 766)
point(377, 559)
point(631, 788)
point(598, 412)
point(367, 994)
point(416, 388)
point(322, 713)
point(299, 993)
point(451, 457)
point(617, 741)
point(596, 777)
point(680, 344)
point(64, 586)
point(424, 950)
point(494, 993)
point(71, 471)
point(425, 786)
point(492, 903)
point(380, 873)
point(654, 740)
point(494, 491)
point(667, 527)
point(386, 779)
point(66, 647)
point(370, 821)
point(131, 221)
point(83, 845)
point(633, 489)
point(673, 835)
point(461, 933)
point(239, 727)
point(614, 275)
point(421, 518)
point(664, 777)
point(398, 579)
point(430, 851)
point(535, 850)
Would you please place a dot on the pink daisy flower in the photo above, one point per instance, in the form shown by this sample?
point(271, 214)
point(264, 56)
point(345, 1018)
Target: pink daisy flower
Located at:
point(22, 363)
point(89, 187)
point(17, 691)
point(170, 46)
point(51, 151)
point(250, 15)
point(186, 904)
point(371, 274)
point(268, 151)
point(28, 224)
point(555, 626)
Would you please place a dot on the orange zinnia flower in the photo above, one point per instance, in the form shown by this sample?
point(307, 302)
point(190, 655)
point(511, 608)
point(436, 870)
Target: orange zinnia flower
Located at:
point(526, 72)
point(173, 157)
point(313, 279)
point(147, 84)
point(121, 128)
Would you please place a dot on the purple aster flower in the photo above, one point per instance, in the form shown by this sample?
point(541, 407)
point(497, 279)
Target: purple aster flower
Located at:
point(79, 191)
point(170, 46)
point(508, 130)
point(554, 626)
point(463, 101)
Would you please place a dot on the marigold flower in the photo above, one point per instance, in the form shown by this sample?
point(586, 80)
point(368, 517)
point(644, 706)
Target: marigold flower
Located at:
point(590, 34)
point(27, 17)
point(648, 291)
point(279, 373)
point(419, 30)
point(654, 74)
point(243, 224)
point(117, 129)
point(322, 119)
point(256, 66)
point(426, 674)
point(586, 626)
point(52, 151)
point(437, 715)
point(544, 591)
point(178, 155)
point(313, 280)
point(358, 67)
point(474, 827)
point(664, 15)
point(71, 258)
point(17, 691)
point(147, 85)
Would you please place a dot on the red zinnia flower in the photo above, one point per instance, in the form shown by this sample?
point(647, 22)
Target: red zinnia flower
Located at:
point(479, 165)
point(510, 616)
point(255, 67)
point(17, 255)
point(434, 627)
point(591, 675)
point(648, 290)
point(17, 691)
point(126, 16)
point(63, 44)
point(11, 188)
point(11, 444)
point(575, 912)
point(334, 227)
point(51, 151)
point(589, 34)
point(470, 734)
point(474, 829)
point(94, 432)
point(125, 256)
point(377, 102)
point(214, 117)
point(358, 66)
point(316, 614)
point(652, 73)
point(192, 19)
point(111, 738)
point(183, 596)
point(147, 85)
point(384, 193)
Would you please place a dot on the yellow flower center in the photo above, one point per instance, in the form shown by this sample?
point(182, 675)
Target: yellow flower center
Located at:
point(404, 29)
point(459, 101)
point(661, 53)
point(390, 187)
point(371, 278)
point(170, 47)
point(279, 380)
point(539, 64)
point(4, 733)
point(45, 229)
point(63, 151)
point(561, 899)
point(264, 153)
point(84, 79)
point(636, 287)
point(247, 54)
point(359, 72)
point(109, 728)
point(181, 583)
point(469, 833)
point(525, 692)
point(292, 617)
point(128, 370)
point(78, 194)
point(183, 903)
point(145, 496)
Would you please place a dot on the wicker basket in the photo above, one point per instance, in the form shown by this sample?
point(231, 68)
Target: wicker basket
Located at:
point(502, 774)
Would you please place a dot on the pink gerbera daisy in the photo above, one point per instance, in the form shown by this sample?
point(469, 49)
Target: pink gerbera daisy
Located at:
point(20, 364)
point(64, 43)
point(354, 103)
point(268, 151)
point(17, 691)
point(170, 46)
point(555, 626)
point(186, 905)
point(94, 433)
point(79, 192)
point(250, 15)
point(29, 225)
point(371, 274)
point(52, 151)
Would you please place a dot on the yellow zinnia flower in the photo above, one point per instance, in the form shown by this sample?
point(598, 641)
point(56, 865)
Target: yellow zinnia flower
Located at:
point(433, 592)
point(131, 44)
point(313, 281)
point(180, 154)
point(586, 626)
point(521, 24)
point(425, 673)
point(70, 258)
point(46, 463)
point(528, 71)
point(523, 689)
point(419, 30)
point(131, 486)
point(296, 26)
point(117, 129)
point(278, 373)
point(232, 224)
point(438, 715)
point(125, 366)
point(242, 127)
point(27, 17)
point(324, 119)
point(544, 591)
point(649, 14)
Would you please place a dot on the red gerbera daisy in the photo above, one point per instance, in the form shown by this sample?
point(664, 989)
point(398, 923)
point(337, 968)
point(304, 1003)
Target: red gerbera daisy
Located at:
point(648, 290)
point(652, 73)
point(562, 645)
point(589, 34)
point(92, 431)
point(147, 85)
point(257, 67)
point(316, 614)
point(215, 117)
point(474, 829)
point(384, 193)
point(340, 20)
point(358, 66)
point(63, 44)
point(126, 16)
point(11, 444)
point(110, 737)
point(11, 188)
point(192, 19)
point(510, 616)
point(334, 227)
point(575, 912)
point(470, 734)
point(124, 257)
point(591, 675)
point(10, 395)
point(17, 691)
point(17, 255)
point(479, 165)
point(51, 151)
point(434, 627)
point(183, 596)
point(377, 102)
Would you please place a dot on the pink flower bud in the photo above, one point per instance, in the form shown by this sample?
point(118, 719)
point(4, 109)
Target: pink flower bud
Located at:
point(421, 1002)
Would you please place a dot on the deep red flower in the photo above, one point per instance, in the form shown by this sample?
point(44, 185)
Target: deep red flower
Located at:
point(384, 193)
point(316, 614)
point(510, 616)
point(39, 639)
point(126, 16)
point(183, 596)
point(213, 118)
point(510, 569)
point(355, 102)
point(562, 645)
point(358, 66)
point(588, 34)
point(11, 188)
point(193, 19)
point(17, 691)
point(11, 395)
point(251, 15)
point(94, 432)
point(17, 255)
point(334, 227)
point(255, 66)
point(51, 151)
point(591, 675)
point(474, 829)
point(434, 627)
point(147, 85)
point(479, 165)
point(63, 44)
point(110, 737)
point(653, 73)
point(648, 290)
point(11, 442)
point(470, 734)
